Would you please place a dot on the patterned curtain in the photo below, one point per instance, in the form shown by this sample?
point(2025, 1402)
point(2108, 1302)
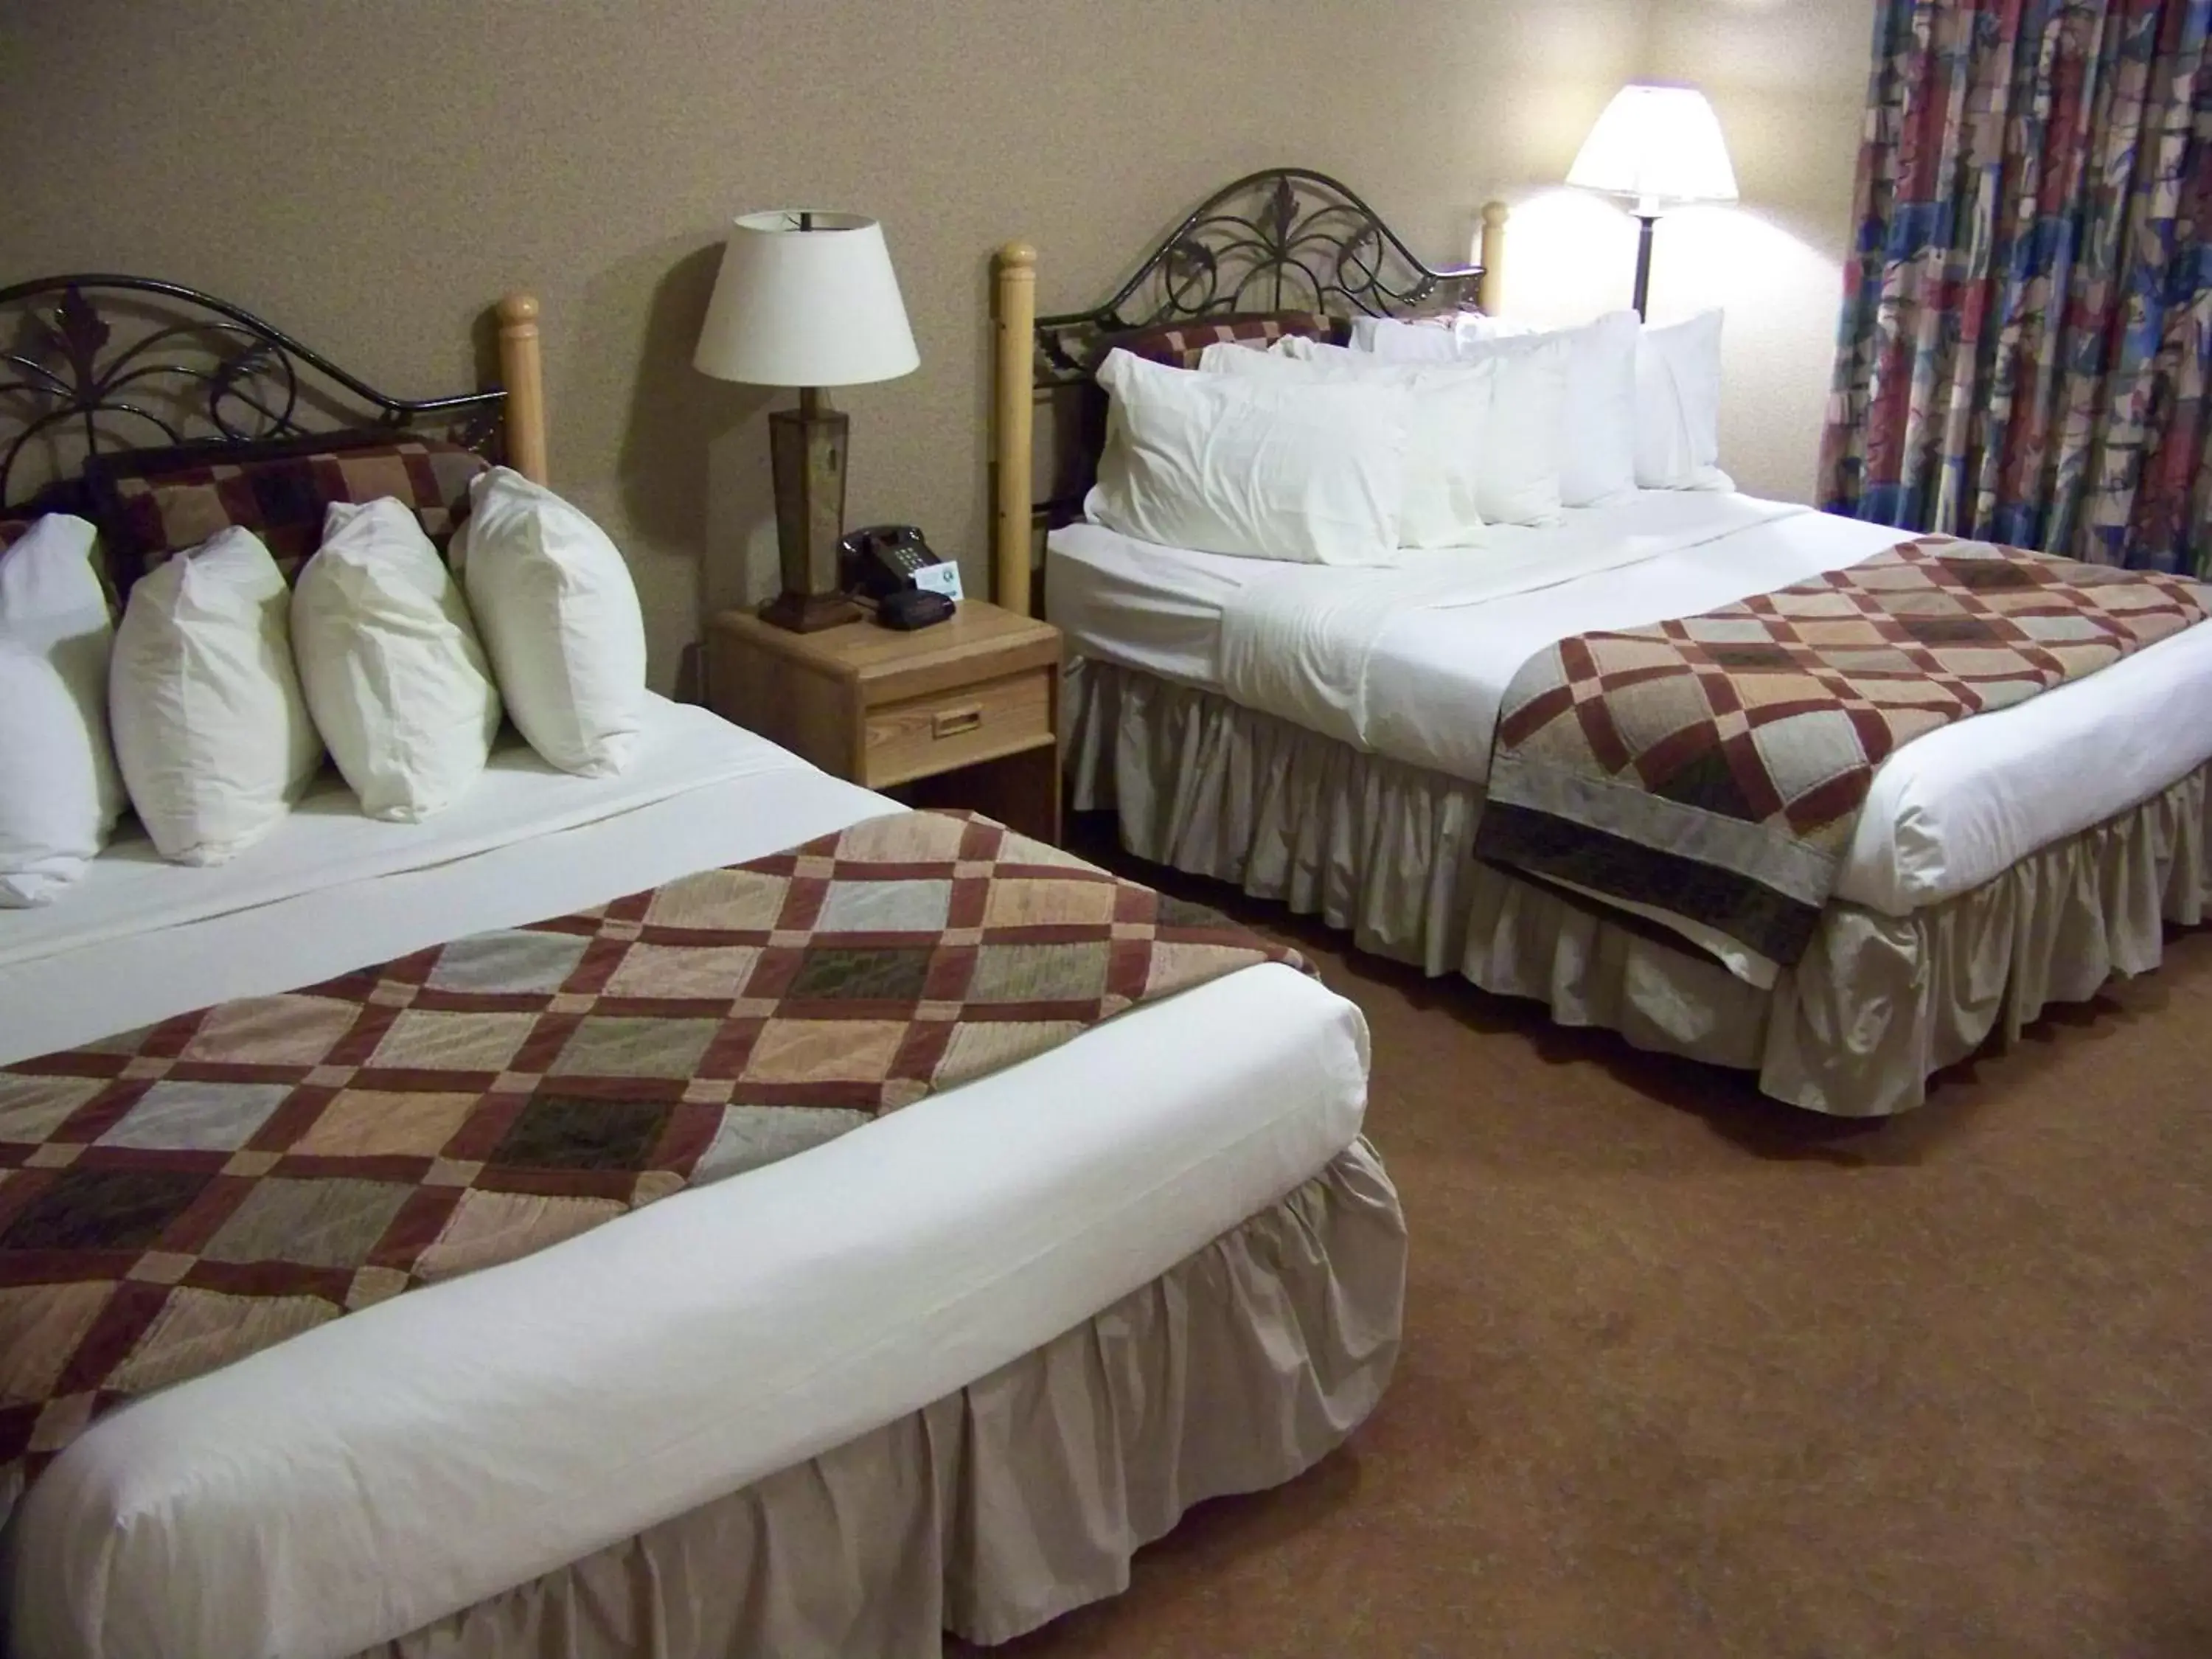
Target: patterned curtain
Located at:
point(2027, 338)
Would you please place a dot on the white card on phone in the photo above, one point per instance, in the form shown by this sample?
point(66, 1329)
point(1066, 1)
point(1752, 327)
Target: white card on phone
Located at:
point(940, 579)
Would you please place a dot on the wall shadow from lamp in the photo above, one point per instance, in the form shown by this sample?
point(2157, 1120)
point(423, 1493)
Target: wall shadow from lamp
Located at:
point(690, 456)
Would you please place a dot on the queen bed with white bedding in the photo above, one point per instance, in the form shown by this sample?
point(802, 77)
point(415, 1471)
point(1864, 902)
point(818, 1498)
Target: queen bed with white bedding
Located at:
point(943, 1367)
point(1325, 734)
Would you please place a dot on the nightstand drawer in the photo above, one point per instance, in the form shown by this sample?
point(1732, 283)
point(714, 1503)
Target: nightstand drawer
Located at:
point(926, 735)
point(960, 716)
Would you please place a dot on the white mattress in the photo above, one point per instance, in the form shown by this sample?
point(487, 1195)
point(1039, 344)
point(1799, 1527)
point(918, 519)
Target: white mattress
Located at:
point(1414, 662)
point(375, 1474)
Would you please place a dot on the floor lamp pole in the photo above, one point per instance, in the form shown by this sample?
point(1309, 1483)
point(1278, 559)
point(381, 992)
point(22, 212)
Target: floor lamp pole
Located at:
point(1644, 260)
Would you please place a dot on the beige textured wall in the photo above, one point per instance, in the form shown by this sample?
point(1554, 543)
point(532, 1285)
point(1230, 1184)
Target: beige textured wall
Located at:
point(371, 174)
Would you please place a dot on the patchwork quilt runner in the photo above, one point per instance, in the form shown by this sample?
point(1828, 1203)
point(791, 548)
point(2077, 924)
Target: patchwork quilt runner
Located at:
point(177, 1197)
point(1707, 773)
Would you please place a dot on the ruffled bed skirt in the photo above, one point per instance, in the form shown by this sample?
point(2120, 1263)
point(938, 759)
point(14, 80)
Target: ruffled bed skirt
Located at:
point(1383, 849)
point(999, 1507)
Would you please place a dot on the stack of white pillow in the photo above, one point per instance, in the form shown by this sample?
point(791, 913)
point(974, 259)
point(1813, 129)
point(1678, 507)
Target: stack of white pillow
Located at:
point(1419, 435)
point(221, 690)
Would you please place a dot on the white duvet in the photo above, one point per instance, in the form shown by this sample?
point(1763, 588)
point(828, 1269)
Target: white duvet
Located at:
point(1414, 662)
point(375, 1474)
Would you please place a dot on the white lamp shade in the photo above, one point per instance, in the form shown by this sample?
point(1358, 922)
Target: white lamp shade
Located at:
point(1659, 144)
point(809, 307)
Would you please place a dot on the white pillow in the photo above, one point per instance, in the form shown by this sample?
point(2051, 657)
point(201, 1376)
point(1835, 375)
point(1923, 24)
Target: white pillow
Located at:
point(1678, 406)
point(389, 662)
point(1363, 328)
point(59, 794)
point(1310, 474)
point(211, 729)
point(1599, 458)
point(1445, 438)
point(559, 615)
point(1528, 415)
point(1522, 431)
point(1437, 340)
point(1597, 453)
point(1476, 325)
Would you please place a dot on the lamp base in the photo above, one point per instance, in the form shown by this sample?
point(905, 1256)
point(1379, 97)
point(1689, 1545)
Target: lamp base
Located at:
point(809, 613)
point(807, 447)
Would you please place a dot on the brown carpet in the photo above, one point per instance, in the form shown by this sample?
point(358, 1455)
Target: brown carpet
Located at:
point(1689, 1372)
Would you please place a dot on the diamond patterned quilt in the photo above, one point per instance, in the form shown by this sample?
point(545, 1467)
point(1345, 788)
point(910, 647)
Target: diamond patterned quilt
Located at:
point(1706, 774)
point(175, 1198)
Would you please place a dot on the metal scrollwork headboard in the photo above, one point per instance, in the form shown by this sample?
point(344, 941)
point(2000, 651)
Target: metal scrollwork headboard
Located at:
point(1285, 239)
point(95, 362)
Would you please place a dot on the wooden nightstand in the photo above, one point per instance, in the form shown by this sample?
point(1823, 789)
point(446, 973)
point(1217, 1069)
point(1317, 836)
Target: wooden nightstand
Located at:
point(965, 714)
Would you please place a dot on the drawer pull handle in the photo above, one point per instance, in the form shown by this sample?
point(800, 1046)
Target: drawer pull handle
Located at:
point(955, 722)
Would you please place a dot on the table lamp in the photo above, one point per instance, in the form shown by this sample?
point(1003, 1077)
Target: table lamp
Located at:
point(809, 300)
point(1662, 147)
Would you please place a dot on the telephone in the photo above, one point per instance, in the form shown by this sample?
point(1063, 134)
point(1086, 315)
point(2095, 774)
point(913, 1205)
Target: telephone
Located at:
point(881, 560)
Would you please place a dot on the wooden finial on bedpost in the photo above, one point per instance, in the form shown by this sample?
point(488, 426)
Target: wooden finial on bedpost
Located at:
point(1013, 350)
point(521, 370)
point(1491, 293)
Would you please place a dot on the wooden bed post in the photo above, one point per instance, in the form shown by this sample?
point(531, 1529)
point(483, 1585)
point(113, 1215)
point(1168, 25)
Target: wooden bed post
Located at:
point(1490, 293)
point(522, 371)
point(1013, 354)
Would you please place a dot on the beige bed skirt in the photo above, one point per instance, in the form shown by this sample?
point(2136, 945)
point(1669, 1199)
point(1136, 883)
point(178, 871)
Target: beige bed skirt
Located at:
point(1383, 850)
point(999, 1507)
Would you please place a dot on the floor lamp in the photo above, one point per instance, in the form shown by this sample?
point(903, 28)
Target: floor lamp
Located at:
point(1661, 147)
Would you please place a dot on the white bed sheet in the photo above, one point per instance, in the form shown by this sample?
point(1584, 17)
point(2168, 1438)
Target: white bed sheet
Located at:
point(377, 1473)
point(131, 889)
point(1414, 662)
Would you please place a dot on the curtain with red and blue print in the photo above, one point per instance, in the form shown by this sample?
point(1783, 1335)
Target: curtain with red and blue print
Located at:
point(2026, 350)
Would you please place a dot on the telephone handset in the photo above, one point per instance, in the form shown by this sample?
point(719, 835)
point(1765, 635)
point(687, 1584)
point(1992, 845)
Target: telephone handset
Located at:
point(879, 561)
